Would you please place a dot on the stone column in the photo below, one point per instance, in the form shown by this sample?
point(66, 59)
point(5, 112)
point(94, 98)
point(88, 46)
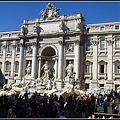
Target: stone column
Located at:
point(60, 61)
point(56, 68)
point(24, 61)
point(110, 57)
point(4, 57)
point(91, 75)
point(98, 68)
point(13, 60)
point(77, 59)
point(90, 67)
point(39, 69)
point(59, 81)
point(21, 60)
point(82, 58)
point(34, 59)
point(105, 67)
point(113, 68)
point(94, 42)
point(64, 66)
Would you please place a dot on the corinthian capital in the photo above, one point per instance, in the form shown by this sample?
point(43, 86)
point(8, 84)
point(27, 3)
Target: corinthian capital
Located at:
point(110, 42)
point(34, 43)
point(60, 42)
point(4, 46)
point(94, 42)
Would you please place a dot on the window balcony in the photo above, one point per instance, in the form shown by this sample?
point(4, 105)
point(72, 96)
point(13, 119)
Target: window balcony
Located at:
point(88, 75)
point(116, 76)
point(102, 76)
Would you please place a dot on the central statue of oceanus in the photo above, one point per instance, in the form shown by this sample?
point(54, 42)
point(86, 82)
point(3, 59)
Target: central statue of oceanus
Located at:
point(51, 12)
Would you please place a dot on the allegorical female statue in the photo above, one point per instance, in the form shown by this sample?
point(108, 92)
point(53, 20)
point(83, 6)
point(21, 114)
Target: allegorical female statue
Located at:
point(69, 69)
point(28, 68)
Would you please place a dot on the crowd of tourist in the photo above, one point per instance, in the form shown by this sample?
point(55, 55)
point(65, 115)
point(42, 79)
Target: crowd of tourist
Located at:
point(87, 105)
point(43, 106)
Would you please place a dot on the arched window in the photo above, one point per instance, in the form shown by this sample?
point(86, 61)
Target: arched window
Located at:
point(18, 47)
point(117, 67)
point(87, 67)
point(102, 67)
point(7, 66)
point(9, 47)
point(102, 43)
point(117, 42)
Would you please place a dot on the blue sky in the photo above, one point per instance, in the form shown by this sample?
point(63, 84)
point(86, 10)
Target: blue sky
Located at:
point(12, 14)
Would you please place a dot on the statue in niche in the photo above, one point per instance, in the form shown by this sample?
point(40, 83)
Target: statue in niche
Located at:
point(69, 69)
point(29, 49)
point(28, 68)
point(46, 71)
point(70, 48)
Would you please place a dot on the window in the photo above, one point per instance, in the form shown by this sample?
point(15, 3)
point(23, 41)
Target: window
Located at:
point(102, 28)
point(8, 67)
point(86, 86)
point(102, 44)
point(9, 47)
point(117, 27)
point(87, 68)
point(117, 67)
point(101, 68)
point(16, 67)
point(117, 43)
point(88, 45)
point(18, 47)
point(116, 86)
point(101, 85)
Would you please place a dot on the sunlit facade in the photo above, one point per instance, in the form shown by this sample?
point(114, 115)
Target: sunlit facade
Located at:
point(93, 49)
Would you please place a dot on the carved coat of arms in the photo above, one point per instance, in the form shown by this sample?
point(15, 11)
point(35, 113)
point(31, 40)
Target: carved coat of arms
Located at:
point(51, 12)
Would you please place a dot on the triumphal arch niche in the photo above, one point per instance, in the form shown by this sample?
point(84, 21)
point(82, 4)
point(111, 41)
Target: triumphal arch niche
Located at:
point(52, 47)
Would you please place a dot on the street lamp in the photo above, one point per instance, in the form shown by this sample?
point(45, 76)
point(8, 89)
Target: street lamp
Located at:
point(73, 81)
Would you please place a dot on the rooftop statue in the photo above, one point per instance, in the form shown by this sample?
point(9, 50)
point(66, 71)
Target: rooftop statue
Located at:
point(51, 12)
point(24, 30)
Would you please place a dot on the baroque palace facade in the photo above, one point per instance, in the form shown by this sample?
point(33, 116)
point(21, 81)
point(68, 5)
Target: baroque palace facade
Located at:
point(93, 49)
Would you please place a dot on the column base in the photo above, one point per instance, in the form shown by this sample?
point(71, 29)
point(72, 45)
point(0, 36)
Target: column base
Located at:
point(94, 84)
point(110, 84)
point(59, 84)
